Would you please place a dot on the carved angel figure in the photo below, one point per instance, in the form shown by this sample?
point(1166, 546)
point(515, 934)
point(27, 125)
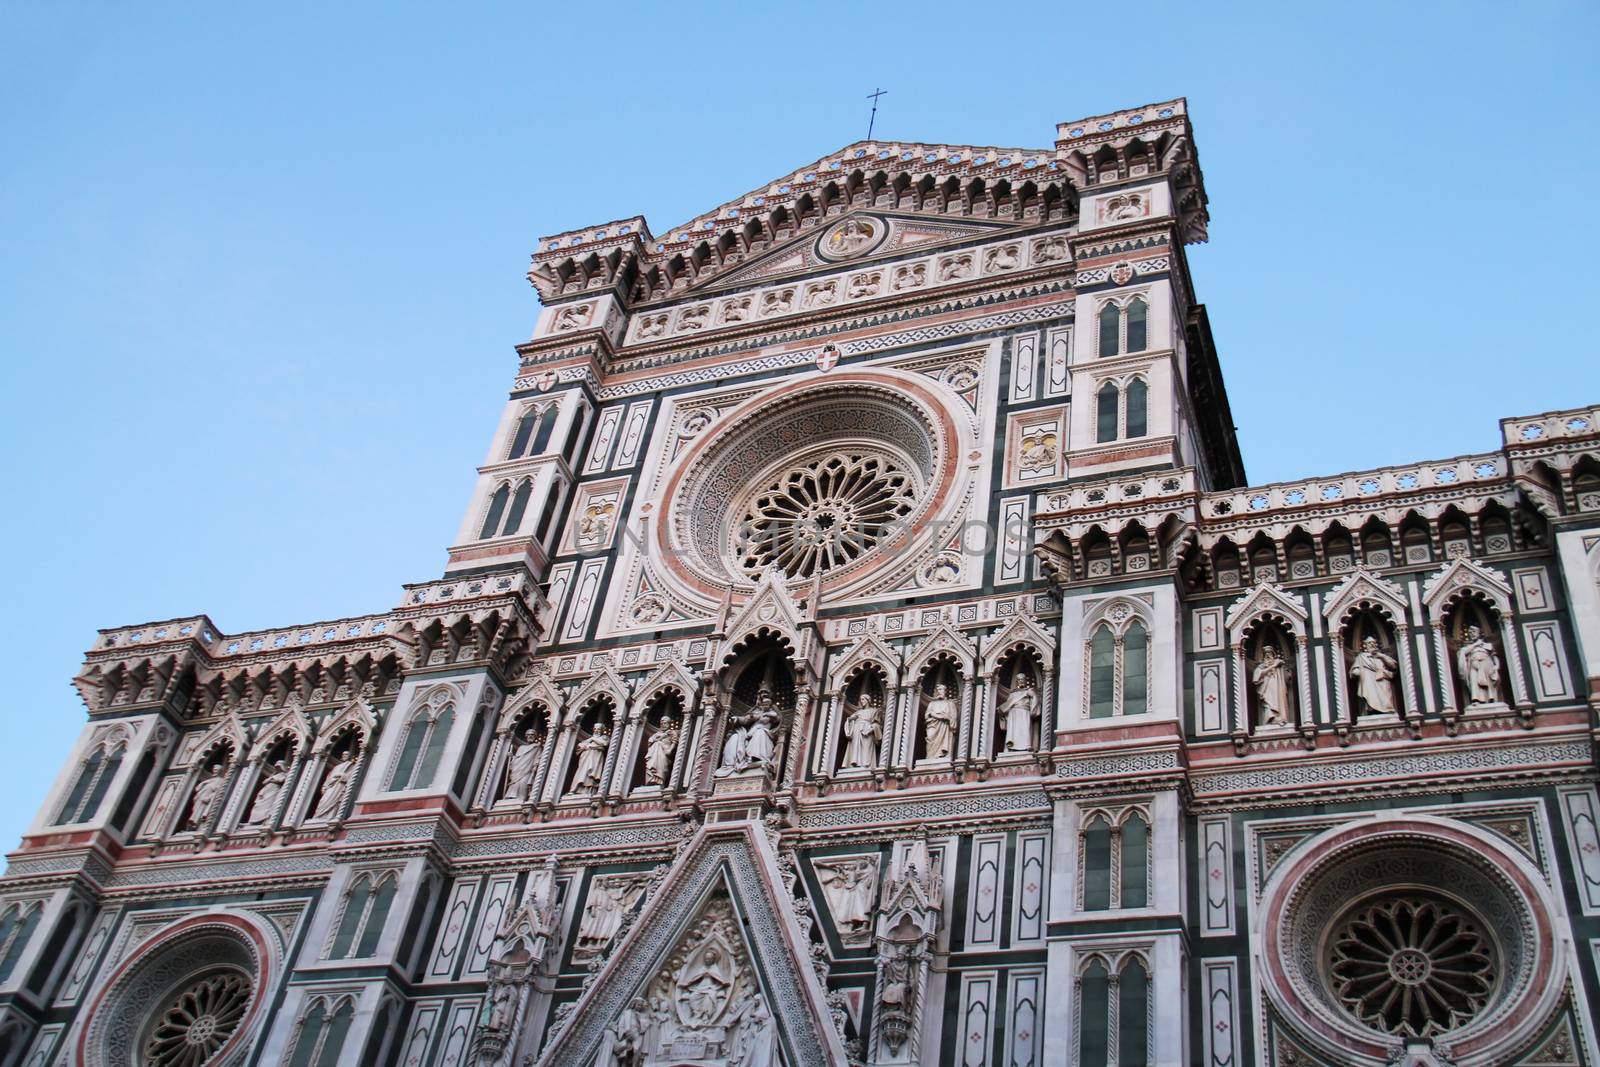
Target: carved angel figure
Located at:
point(939, 723)
point(851, 886)
point(862, 729)
point(331, 800)
point(1373, 673)
point(207, 792)
point(523, 765)
point(1021, 707)
point(658, 753)
point(591, 759)
point(1271, 679)
point(267, 794)
point(1479, 665)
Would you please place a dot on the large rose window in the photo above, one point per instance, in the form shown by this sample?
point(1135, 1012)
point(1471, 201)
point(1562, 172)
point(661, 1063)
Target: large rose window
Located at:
point(198, 1020)
point(814, 481)
point(824, 512)
point(1411, 965)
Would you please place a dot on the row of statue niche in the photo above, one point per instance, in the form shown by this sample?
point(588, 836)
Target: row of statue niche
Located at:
point(1018, 714)
point(1373, 673)
point(208, 791)
point(528, 746)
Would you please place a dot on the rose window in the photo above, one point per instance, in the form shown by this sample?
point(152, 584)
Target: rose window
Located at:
point(824, 513)
point(198, 1020)
point(1411, 966)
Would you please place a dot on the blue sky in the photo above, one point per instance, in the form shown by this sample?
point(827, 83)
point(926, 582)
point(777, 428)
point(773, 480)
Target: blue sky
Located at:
point(262, 265)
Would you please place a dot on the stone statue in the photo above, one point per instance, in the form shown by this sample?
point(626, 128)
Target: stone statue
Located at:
point(733, 748)
point(629, 1035)
point(1002, 258)
point(939, 723)
point(1271, 679)
point(863, 730)
point(658, 754)
point(591, 759)
point(334, 787)
point(752, 738)
point(523, 765)
point(272, 783)
point(1018, 712)
point(1479, 665)
point(851, 887)
point(609, 900)
point(207, 792)
point(753, 1047)
point(851, 237)
point(502, 1006)
point(1373, 672)
point(910, 277)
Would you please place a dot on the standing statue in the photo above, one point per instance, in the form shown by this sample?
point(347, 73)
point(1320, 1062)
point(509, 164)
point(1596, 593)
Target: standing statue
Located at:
point(1271, 678)
point(851, 887)
point(334, 786)
point(761, 729)
point(1479, 665)
point(1373, 672)
point(629, 1034)
point(502, 1006)
point(939, 723)
point(1018, 712)
point(658, 754)
point(206, 794)
point(272, 783)
point(862, 728)
point(523, 765)
point(591, 759)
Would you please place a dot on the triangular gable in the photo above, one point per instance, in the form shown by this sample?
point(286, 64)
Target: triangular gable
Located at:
point(868, 649)
point(292, 721)
point(1463, 574)
point(669, 674)
point(735, 859)
point(538, 691)
point(1021, 630)
point(229, 729)
point(1267, 600)
point(358, 713)
point(771, 609)
point(1360, 587)
point(941, 639)
point(606, 681)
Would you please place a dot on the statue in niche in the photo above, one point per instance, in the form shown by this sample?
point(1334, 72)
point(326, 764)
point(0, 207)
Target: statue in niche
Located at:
point(752, 737)
point(939, 723)
point(863, 730)
point(207, 792)
point(502, 1006)
point(334, 787)
point(596, 522)
point(629, 1034)
point(1373, 672)
point(271, 787)
point(851, 887)
point(1479, 665)
point(591, 759)
point(659, 752)
point(1038, 451)
point(1271, 680)
point(1021, 707)
point(523, 765)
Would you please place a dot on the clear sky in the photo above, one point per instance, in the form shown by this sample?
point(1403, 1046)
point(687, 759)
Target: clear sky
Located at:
point(261, 265)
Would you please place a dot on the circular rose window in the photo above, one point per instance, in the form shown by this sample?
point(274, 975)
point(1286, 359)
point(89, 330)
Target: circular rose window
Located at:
point(198, 1020)
point(832, 479)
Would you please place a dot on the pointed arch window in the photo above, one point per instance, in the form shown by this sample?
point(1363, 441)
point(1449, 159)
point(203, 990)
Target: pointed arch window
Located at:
point(1123, 328)
point(1137, 315)
point(1114, 1013)
point(1094, 1011)
point(1097, 864)
point(524, 434)
point(1134, 842)
point(497, 508)
point(422, 748)
point(322, 1034)
point(519, 507)
point(1110, 330)
point(1107, 401)
point(16, 928)
point(1133, 1014)
point(366, 910)
point(1136, 419)
point(94, 779)
point(1119, 671)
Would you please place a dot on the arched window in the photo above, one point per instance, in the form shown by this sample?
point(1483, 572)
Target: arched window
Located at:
point(1133, 1014)
point(1110, 331)
point(90, 789)
point(552, 504)
point(366, 909)
point(1136, 324)
point(524, 434)
point(1137, 419)
point(421, 749)
point(313, 1026)
point(1107, 400)
point(1094, 1010)
point(1135, 670)
point(1097, 864)
point(1102, 674)
point(497, 507)
point(1135, 866)
point(16, 927)
point(519, 505)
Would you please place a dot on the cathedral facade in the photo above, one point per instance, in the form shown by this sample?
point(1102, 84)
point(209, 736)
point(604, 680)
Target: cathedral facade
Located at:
point(862, 646)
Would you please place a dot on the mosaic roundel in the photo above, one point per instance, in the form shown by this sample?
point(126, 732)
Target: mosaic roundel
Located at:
point(852, 237)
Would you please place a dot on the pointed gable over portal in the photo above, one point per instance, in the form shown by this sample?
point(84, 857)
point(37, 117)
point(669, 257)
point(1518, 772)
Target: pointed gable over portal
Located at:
point(716, 964)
